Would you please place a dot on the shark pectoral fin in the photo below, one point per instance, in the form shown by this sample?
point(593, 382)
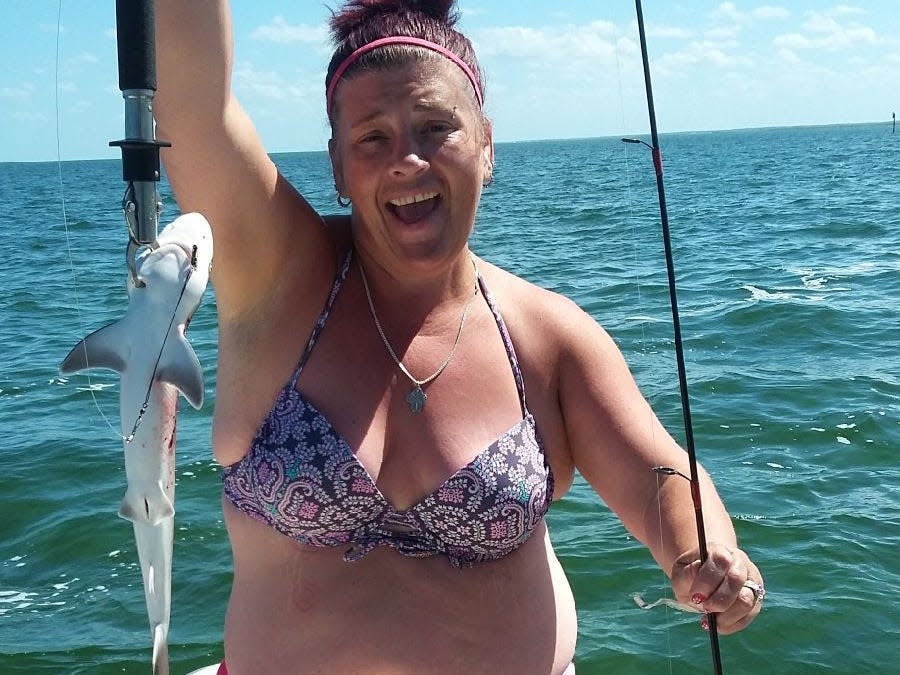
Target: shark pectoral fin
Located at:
point(180, 367)
point(139, 506)
point(104, 348)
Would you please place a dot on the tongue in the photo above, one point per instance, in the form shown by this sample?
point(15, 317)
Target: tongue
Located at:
point(412, 213)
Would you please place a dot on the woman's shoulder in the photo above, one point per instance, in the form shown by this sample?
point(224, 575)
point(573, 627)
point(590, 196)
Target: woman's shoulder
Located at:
point(524, 302)
point(550, 328)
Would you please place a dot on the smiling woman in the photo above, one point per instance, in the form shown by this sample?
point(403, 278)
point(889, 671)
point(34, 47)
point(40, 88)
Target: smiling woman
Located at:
point(394, 414)
point(413, 156)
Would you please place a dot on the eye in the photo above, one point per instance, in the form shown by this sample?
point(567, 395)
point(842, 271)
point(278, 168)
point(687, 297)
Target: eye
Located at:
point(372, 137)
point(439, 127)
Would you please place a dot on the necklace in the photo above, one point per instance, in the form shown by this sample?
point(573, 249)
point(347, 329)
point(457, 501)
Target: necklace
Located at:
point(415, 399)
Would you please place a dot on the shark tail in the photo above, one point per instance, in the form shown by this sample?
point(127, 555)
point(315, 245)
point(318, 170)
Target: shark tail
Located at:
point(160, 650)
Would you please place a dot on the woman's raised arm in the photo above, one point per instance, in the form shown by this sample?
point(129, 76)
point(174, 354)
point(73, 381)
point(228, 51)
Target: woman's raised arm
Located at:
point(217, 164)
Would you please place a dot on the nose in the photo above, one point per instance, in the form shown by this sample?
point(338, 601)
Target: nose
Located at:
point(409, 156)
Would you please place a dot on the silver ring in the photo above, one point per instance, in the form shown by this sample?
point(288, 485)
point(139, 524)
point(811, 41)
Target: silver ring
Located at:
point(758, 591)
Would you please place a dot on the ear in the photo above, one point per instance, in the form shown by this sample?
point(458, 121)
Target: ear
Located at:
point(337, 167)
point(487, 151)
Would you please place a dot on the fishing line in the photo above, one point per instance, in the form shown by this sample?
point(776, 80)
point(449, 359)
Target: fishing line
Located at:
point(187, 277)
point(72, 270)
point(666, 601)
point(694, 480)
point(65, 217)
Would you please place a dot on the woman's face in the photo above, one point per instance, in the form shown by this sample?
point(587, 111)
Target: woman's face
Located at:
point(412, 150)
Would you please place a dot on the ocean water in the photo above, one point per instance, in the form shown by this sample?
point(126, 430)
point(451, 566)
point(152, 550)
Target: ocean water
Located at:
point(787, 248)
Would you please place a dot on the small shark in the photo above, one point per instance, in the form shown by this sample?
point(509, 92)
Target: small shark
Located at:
point(148, 348)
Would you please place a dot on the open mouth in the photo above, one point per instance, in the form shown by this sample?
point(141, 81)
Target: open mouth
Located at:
point(414, 208)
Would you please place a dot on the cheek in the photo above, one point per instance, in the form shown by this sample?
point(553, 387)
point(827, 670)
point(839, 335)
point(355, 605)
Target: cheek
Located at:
point(464, 152)
point(358, 172)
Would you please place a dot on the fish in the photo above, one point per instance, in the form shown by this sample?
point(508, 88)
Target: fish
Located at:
point(148, 348)
point(668, 602)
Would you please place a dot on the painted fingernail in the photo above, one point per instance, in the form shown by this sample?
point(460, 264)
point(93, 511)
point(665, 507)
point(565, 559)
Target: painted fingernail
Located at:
point(698, 598)
point(704, 624)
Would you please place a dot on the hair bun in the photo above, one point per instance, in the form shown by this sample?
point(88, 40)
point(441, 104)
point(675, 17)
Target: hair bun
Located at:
point(356, 13)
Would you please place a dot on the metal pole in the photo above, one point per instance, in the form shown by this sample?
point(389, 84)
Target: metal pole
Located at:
point(136, 35)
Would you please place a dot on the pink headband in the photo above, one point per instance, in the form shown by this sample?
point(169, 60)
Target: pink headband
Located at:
point(400, 40)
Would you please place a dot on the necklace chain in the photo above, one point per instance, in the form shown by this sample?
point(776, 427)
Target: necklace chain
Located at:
point(416, 397)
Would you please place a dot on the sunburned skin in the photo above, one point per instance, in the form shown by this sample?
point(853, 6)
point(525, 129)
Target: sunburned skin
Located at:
point(308, 599)
point(389, 614)
point(401, 135)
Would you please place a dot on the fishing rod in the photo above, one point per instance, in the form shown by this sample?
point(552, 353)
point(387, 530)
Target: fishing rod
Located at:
point(147, 346)
point(694, 478)
point(136, 42)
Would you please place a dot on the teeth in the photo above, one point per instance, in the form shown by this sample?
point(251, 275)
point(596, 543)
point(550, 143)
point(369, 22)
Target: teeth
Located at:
point(404, 201)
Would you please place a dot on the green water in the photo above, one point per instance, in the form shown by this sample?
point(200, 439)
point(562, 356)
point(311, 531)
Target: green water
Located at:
point(787, 244)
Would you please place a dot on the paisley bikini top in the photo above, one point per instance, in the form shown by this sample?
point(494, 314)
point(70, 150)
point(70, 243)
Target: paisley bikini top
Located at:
point(302, 478)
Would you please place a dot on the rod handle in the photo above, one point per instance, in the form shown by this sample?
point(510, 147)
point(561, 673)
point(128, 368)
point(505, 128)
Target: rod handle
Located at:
point(136, 38)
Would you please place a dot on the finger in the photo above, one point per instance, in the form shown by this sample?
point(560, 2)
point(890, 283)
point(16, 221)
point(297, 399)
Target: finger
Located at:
point(717, 582)
point(745, 608)
point(683, 575)
point(730, 571)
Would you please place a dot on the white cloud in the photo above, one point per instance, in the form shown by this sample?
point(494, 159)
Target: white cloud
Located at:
point(844, 10)
point(471, 10)
point(52, 28)
point(659, 31)
point(728, 11)
point(30, 117)
point(821, 30)
point(595, 39)
point(792, 41)
point(769, 12)
point(271, 85)
point(280, 31)
point(266, 84)
point(729, 21)
point(723, 33)
point(703, 53)
point(20, 93)
point(82, 57)
point(789, 57)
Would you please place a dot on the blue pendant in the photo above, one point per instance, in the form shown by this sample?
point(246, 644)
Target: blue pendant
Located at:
point(415, 399)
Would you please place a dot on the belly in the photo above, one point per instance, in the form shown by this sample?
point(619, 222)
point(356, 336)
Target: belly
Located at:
point(297, 609)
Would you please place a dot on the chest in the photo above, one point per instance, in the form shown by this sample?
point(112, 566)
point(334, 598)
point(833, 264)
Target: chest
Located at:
point(359, 392)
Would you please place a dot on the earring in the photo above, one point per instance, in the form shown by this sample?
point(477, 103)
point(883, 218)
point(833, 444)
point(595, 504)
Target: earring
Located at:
point(342, 202)
point(489, 179)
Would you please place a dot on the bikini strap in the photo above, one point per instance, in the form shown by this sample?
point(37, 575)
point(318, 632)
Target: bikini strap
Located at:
point(323, 317)
point(507, 343)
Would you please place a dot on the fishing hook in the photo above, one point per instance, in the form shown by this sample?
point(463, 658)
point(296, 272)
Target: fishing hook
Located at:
point(130, 211)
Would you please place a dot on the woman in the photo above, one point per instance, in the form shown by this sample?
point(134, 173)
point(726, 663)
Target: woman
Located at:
point(390, 458)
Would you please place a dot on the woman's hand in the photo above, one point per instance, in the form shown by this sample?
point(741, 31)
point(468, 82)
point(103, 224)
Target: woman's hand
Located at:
point(728, 585)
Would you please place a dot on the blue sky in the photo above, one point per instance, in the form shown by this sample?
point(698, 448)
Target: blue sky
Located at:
point(554, 69)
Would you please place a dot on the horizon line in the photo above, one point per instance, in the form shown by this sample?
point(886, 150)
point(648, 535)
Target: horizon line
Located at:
point(887, 121)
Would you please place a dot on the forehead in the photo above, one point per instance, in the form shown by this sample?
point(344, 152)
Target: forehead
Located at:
point(432, 80)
